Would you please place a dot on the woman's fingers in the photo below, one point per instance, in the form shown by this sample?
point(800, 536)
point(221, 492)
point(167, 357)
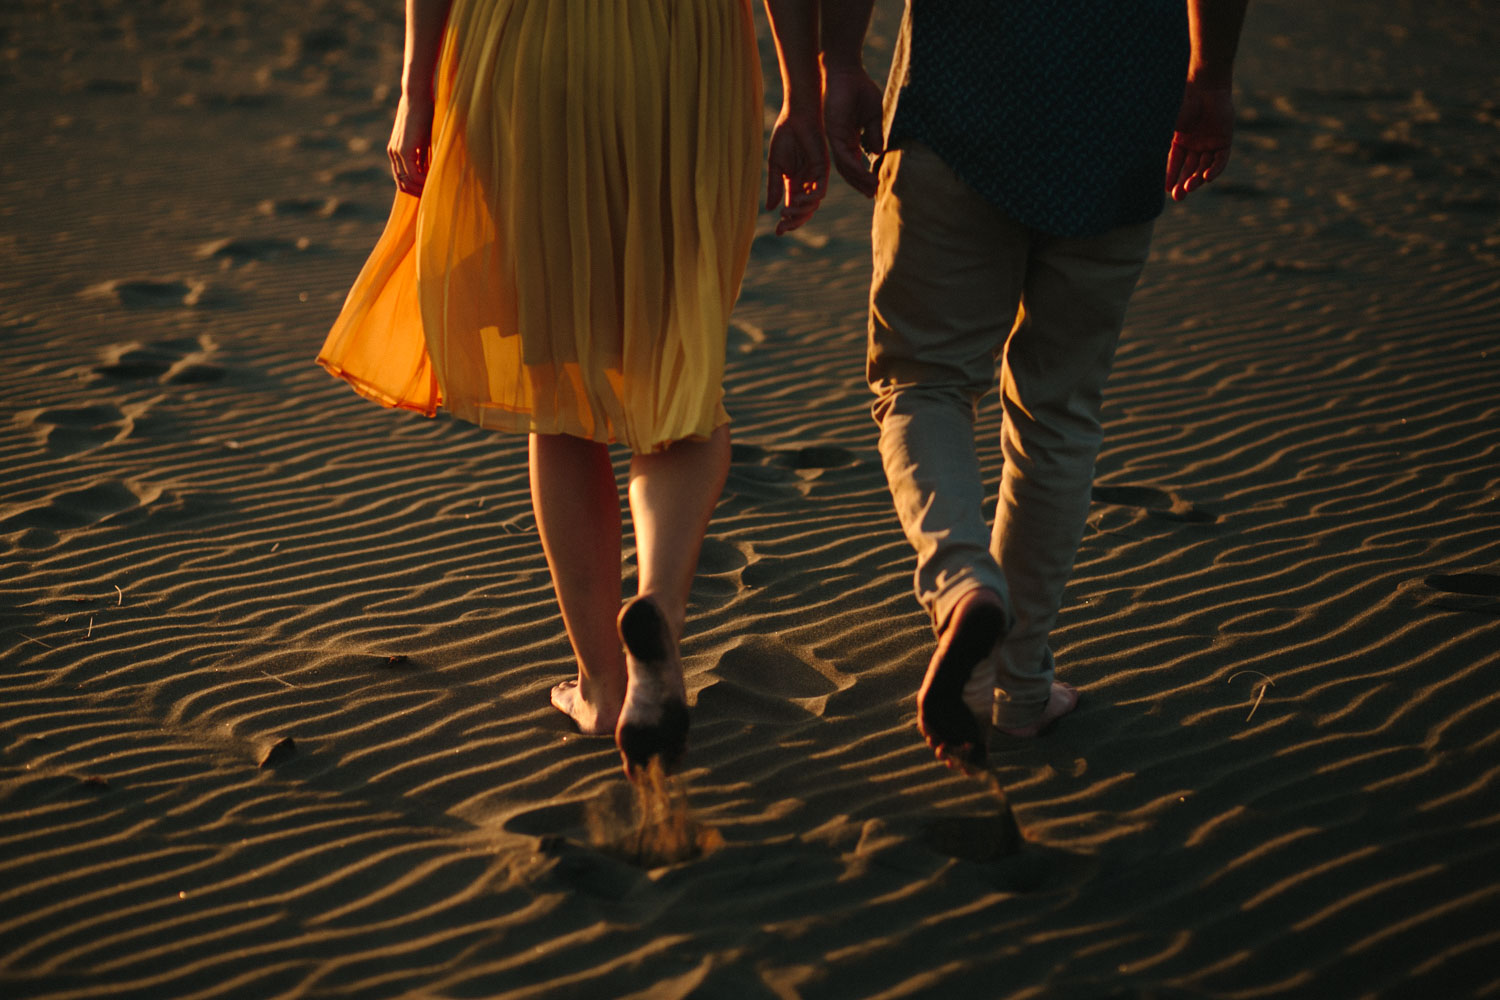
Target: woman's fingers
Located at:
point(409, 169)
point(798, 169)
point(803, 195)
point(775, 189)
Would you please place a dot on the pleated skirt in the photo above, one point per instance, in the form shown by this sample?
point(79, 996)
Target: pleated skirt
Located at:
point(572, 262)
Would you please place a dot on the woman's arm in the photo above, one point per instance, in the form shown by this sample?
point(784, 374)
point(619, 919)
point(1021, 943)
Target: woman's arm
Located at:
point(798, 159)
point(411, 136)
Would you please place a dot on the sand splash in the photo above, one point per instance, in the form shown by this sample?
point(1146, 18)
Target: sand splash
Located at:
point(649, 824)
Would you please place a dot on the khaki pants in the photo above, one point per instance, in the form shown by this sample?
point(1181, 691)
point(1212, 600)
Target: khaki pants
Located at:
point(958, 287)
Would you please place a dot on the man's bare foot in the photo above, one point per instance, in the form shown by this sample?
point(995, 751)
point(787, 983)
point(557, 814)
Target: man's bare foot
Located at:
point(591, 718)
point(654, 719)
point(1062, 700)
point(954, 703)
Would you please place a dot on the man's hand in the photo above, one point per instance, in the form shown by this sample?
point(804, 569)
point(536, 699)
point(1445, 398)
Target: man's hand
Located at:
point(1200, 145)
point(852, 114)
point(798, 167)
point(410, 148)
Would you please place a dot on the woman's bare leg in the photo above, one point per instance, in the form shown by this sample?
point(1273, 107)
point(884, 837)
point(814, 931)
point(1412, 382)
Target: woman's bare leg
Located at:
point(672, 496)
point(577, 508)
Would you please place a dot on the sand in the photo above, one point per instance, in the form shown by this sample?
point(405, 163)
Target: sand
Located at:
point(273, 706)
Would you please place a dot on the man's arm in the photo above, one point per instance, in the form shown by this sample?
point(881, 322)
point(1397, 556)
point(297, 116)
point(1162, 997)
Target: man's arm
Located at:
point(851, 100)
point(411, 137)
point(798, 160)
point(1205, 123)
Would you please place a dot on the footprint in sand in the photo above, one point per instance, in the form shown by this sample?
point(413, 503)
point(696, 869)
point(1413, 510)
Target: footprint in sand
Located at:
point(752, 478)
point(170, 362)
point(296, 206)
point(764, 679)
point(601, 846)
point(71, 430)
point(979, 838)
point(40, 789)
point(721, 558)
point(756, 473)
point(746, 454)
point(111, 85)
point(556, 819)
point(311, 141)
point(321, 208)
point(314, 44)
point(1153, 503)
point(720, 564)
point(82, 508)
point(1386, 151)
point(222, 100)
point(816, 458)
point(1285, 265)
point(150, 293)
point(357, 175)
point(236, 251)
point(1464, 592)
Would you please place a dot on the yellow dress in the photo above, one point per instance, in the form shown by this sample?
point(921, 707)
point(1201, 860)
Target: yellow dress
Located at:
point(572, 262)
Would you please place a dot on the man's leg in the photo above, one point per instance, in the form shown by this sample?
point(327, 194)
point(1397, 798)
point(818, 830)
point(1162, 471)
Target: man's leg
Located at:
point(947, 279)
point(1052, 382)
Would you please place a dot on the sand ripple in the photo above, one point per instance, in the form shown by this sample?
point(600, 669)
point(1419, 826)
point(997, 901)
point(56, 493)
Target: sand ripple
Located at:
point(1281, 782)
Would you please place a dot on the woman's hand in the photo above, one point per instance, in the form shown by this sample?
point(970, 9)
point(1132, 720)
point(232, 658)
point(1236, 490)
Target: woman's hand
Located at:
point(798, 167)
point(410, 148)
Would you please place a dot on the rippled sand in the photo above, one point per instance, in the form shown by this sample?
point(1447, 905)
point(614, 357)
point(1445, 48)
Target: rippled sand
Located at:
point(273, 712)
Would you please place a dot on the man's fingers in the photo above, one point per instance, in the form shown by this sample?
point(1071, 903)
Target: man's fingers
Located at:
point(1191, 163)
point(1216, 167)
point(1194, 168)
point(1175, 157)
point(855, 168)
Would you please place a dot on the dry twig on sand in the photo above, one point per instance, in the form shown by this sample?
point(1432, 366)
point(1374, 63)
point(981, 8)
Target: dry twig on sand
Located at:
point(1260, 689)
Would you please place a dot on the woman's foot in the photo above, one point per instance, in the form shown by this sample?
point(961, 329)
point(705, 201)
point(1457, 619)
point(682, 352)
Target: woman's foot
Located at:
point(654, 719)
point(593, 717)
point(957, 694)
point(1062, 700)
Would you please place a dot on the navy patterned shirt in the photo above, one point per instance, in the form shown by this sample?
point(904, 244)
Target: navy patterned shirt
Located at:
point(1059, 112)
